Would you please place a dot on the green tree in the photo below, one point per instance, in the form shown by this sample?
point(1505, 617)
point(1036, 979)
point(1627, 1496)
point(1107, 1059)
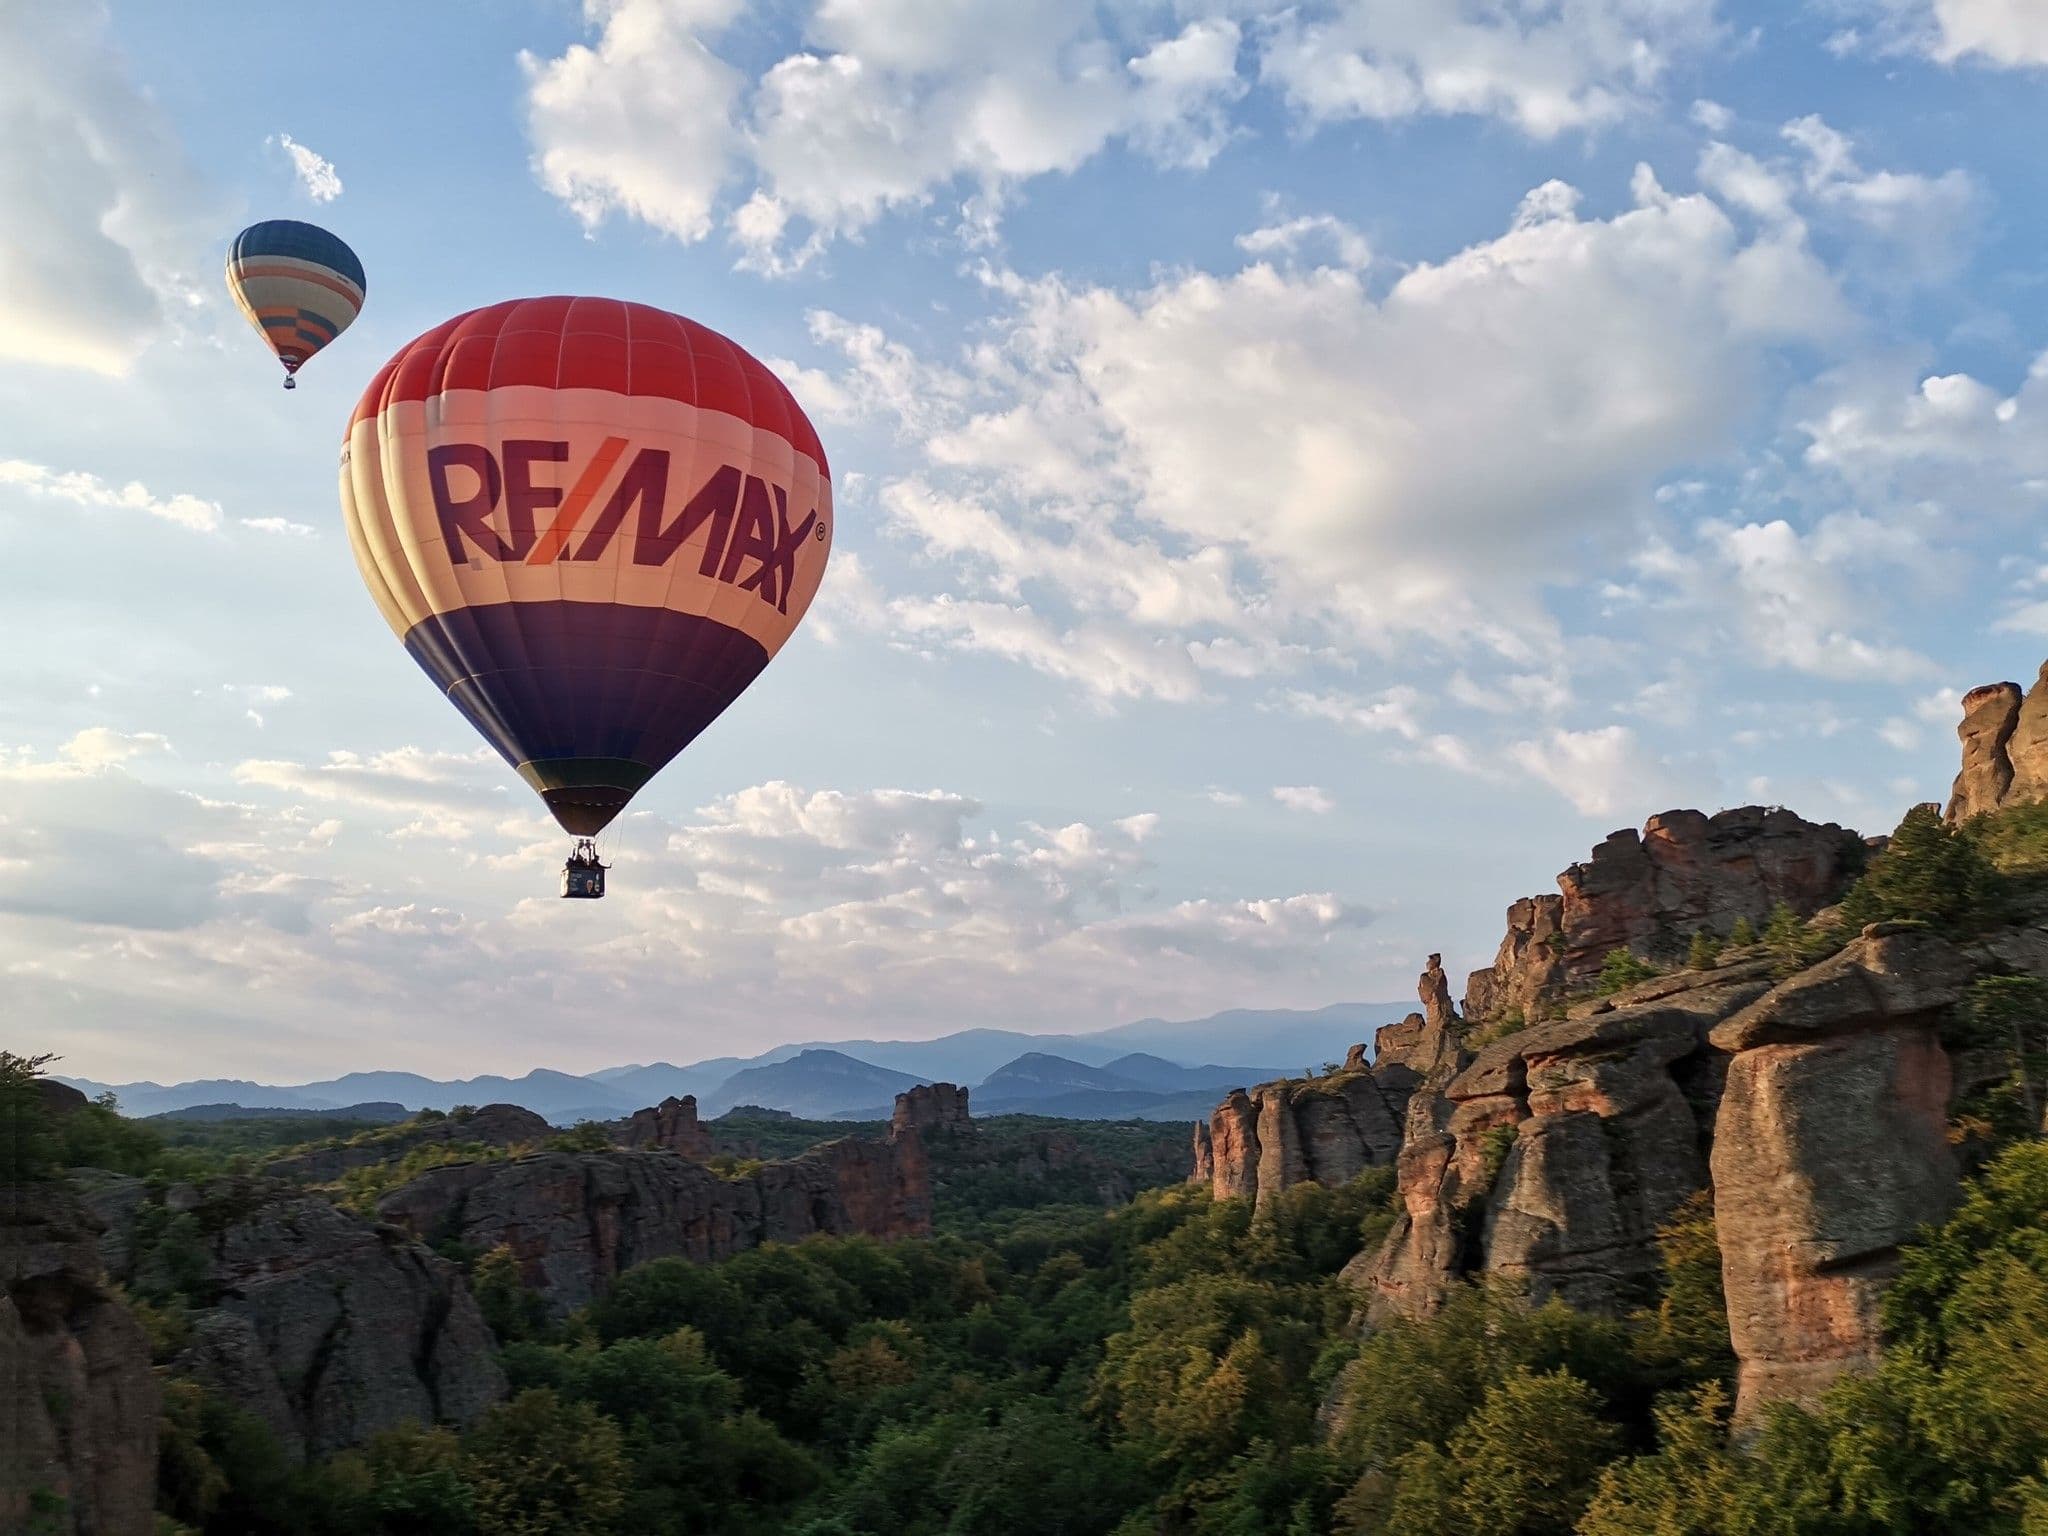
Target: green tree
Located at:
point(28, 1147)
point(1523, 1464)
point(541, 1467)
point(1784, 929)
point(1928, 873)
point(1704, 950)
point(1622, 969)
point(513, 1310)
point(1686, 1488)
point(1742, 934)
point(1684, 1340)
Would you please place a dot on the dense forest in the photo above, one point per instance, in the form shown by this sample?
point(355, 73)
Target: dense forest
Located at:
point(1176, 1365)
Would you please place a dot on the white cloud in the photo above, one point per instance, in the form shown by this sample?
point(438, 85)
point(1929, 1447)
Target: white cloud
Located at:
point(2010, 34)
point(1306, 231)
point(100, 746)
point(101, 220)
point(886, 106)
point(903, 100)
point(280, 525)
point(316, 173)
point(449, 795)
point(1308, 798)
point(1266, 465)
point(642, 123)
point(1601, 772)
point(83, 489)
point(2007, 32)
point(1545, 69)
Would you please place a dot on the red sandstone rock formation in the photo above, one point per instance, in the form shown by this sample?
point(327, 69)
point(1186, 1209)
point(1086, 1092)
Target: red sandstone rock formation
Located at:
point(2005, 749)
point(1649, 893)
point(1830, 1150)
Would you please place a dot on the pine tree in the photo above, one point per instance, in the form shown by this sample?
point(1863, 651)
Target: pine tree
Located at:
point(1930, 873)
point(1703, 952)
point(1742, 934)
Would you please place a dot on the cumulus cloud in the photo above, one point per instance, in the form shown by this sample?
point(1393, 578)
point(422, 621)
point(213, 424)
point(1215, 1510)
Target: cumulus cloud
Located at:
point(640, 124)
point(316, 173)
point(2007, 34)
point(1602, 772)
point(1544, 69)
point(448, 795)
point(1240, 470)
point(1308, 798)
point(80, 488)
point(100, 227)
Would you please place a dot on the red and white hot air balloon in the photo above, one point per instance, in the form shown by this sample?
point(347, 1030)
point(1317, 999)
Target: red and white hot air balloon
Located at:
point(592, 523)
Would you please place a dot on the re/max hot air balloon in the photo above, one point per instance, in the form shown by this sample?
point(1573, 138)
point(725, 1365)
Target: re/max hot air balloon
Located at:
point(298, 285)
point(592, 523)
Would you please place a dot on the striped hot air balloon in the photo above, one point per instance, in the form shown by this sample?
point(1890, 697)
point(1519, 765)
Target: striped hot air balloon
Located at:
point(592, 523)
point(297, 284)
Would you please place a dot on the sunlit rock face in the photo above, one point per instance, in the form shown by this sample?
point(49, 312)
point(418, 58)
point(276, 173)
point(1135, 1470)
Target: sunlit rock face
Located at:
point(1831, 1149)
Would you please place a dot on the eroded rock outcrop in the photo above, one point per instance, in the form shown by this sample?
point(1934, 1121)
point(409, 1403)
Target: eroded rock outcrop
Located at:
point(1552, 1156)
point(327, 1327)
point(670, 1126)
point(1830, 1150)
point(1328, 1129)
point(1984, 781)
point(1204, 1170)
point(930, 1109)
point(493, 1125)
point(1649, 893)
point(78, 1400)
point(576, 1220)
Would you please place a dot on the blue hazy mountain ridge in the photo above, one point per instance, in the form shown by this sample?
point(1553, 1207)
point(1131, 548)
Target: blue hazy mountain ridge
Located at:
point(1295, 1040)
point(814, 1084)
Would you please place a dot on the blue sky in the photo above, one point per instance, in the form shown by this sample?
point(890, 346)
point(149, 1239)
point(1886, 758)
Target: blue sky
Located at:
point(1304, 474)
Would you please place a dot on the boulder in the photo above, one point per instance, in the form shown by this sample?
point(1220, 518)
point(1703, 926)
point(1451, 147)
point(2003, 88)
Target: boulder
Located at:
point(1830, 1150)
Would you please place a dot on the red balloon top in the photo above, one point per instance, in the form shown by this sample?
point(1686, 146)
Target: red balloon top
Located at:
point(609, 344)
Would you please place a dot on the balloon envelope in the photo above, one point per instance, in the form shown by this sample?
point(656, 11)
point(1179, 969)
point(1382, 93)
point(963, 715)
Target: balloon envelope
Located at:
point(298, 285)
point(592, 523)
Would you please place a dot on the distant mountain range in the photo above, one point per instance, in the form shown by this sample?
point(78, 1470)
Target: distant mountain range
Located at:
point(1152, 1069)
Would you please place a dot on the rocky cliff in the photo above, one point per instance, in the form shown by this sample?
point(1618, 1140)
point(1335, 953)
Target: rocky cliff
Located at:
point(78, 1400)
point(1649, 893)
point(1544, 1138)
point(1326, 1129)
point(670, 1126)
point(2005, 748)
point(1830, 1149)
point(930, 1109)
point(327, 1327)
point(575, 1220)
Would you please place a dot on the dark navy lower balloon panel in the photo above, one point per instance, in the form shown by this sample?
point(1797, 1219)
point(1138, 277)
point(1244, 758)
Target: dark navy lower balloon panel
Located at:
point(568, 683)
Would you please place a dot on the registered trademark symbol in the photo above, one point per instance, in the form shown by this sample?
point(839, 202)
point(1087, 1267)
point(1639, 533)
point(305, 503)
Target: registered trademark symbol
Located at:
point(821, 532)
